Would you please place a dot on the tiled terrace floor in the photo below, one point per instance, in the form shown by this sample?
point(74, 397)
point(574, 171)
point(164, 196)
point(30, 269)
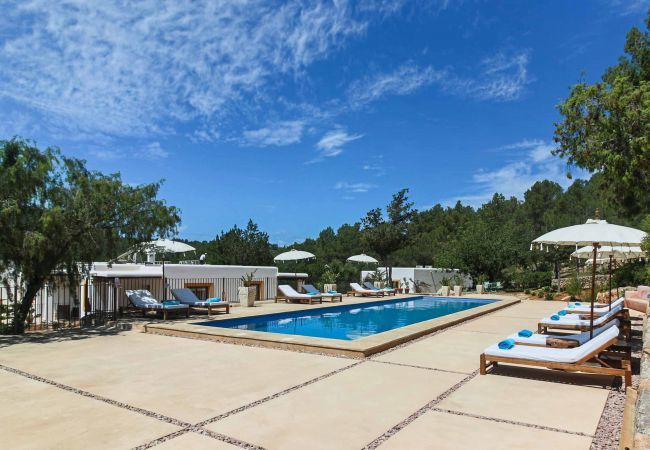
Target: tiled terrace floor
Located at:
point(130, 389)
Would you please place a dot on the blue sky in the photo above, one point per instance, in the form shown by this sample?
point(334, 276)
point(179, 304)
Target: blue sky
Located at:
point(303, 115)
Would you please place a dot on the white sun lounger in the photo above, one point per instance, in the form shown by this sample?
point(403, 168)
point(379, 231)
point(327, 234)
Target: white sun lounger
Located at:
point(372, 287)
point(582, 322)
point(600, 310)
point(357, 289)
point(187, 297)
point(569, 359)
point(573, 340)
point(288, 293)
point(143, 300)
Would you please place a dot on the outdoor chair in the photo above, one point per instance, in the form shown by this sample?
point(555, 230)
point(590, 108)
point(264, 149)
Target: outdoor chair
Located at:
point(588, 358)
point(188, 297)
point(332, 296)
point(288, 294)
point(371, 285)
point(142, 300)
point(363, 292)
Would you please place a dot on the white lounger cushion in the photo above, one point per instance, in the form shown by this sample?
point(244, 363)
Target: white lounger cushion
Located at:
point(540, 339)
point(600, 310)
point(142, 298)
point(357, 287)
point(570, 320)
point(288, 291)
point(549, 354)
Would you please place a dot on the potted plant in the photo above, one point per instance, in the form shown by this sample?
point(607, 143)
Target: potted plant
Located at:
point(329, 278)
point(247, 291)
point(407, 289)
point(445, 287)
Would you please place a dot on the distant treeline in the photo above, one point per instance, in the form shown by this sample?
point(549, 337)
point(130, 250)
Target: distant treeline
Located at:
point(491, 242)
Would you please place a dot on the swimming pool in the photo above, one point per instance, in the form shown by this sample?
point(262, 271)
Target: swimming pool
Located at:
point(354, 321)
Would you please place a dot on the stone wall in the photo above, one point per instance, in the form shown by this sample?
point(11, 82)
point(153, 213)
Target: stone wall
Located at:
point(584, 279)
point(642, 418)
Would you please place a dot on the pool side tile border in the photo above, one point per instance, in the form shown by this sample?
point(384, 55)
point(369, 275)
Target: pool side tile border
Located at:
point(358, 348)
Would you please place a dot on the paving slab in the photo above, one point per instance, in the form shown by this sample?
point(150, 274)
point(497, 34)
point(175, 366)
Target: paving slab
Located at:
point(186, 379)
point(441, 431)
point(37, 415)
point(345, 411)
point(531, 309)
point(194, 441)
point(501, 325)
point(556, 404)
point(454, 350)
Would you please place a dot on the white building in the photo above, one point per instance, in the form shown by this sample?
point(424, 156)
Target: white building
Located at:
point(428, 279)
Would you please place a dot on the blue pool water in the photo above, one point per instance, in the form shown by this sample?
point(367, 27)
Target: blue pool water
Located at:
point(349, 322)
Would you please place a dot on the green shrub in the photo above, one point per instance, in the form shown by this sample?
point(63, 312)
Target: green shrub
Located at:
point(574, 287)
point(531, 280)
point(526, 291)
point(540, 293)
point(548, 296)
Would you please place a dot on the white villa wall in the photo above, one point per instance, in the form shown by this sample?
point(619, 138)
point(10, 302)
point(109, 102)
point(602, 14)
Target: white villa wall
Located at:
point(432, 276)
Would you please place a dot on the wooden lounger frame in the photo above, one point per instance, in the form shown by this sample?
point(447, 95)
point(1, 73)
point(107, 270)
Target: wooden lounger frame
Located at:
point(368, 294)
point(332, 297)
point(163, 310)
point(214, 305)
point(603, 367)
point(623, 316)
point(286, 298)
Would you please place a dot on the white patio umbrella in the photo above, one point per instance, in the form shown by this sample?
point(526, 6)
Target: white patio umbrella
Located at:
point(609, 254)
point(293, 255)
point(363, 258)
point(594, 232)
point(169, 246)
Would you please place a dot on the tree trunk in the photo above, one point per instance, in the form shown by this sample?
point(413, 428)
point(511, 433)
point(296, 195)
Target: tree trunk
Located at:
point(22, 312)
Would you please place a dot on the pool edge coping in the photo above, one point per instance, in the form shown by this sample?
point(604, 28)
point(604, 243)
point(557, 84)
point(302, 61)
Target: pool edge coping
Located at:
point(358, 348)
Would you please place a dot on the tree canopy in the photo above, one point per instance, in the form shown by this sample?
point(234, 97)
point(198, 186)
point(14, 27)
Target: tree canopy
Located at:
point(606, 126)
point(58, 216)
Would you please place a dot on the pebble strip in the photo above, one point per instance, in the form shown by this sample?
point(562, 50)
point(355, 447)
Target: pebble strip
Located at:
point(109, 401)
point(381, 439)
point(512, 422)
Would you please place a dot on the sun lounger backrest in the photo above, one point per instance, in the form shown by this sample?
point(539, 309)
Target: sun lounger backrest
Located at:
point(185, 295)
point(583, 338)
point(358, 288)
point(141, 297)
point(369, 285)
point(289, 291)
point(310, 289)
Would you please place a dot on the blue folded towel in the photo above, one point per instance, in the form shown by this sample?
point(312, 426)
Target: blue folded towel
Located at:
point(332, 292)
point(555, 317)
point(507, 344)
point(213, 300)
point(577, 303)
point(312, 293)
point(525, 333)
point(171, 302)
point(561, 313)
point(570, 306)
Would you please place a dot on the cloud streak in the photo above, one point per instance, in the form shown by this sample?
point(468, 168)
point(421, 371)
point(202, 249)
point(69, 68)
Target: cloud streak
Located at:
point(332, 143)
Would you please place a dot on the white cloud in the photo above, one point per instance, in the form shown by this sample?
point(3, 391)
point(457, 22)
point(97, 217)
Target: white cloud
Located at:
point(502, 77)
point(402, 81)
point(278, 134)
point(533, 163)
point(135, 68)
point(151, 151)
point(332, 143)
point(354, 187)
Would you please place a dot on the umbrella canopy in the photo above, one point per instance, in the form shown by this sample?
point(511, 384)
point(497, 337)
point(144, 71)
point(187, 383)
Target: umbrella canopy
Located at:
point(293, 255)
point(593, 231)
point(362, 258)
point(619, 253)
point(169, 246)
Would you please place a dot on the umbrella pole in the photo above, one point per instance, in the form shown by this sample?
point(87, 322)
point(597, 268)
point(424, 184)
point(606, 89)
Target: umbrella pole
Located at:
point(610, 282)
point(593, 291)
